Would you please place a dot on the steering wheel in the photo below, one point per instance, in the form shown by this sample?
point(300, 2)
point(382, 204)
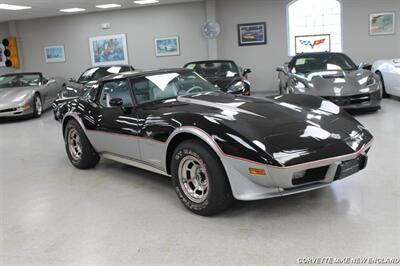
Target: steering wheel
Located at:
point(194, 89)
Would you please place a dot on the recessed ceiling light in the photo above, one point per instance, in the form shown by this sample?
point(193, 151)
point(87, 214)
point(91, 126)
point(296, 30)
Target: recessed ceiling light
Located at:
point(72, 10)
point(146, 2)
point(14, 7)
point(108, 6)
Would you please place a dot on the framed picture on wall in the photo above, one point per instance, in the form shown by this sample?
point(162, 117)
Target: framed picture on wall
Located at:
point(312, 43)
point(167, 46)
point(54, 54)
point(382, 23)
point(2, 56)
point(108, 50)
point(252, 33)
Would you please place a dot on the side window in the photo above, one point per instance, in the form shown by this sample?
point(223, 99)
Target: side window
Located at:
point(147, 91)
point(141, 88)
point(115, 89)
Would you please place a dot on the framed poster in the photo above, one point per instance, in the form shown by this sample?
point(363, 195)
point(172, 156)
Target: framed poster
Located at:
point(54, 54)
point(312, 43)
point(252, 33)
point(2, 56)
point(108, 50)
point(167, 46)
point(382, 23)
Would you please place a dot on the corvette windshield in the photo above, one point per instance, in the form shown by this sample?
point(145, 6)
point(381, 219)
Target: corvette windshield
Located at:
point(96, 73)
point(215, 69)
point(169, 85)
point(19, 80)
point(322, 62)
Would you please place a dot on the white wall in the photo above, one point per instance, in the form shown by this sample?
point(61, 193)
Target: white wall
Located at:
point(3, 30)
point(356, 39)
point(264, 59)
point(141, 25)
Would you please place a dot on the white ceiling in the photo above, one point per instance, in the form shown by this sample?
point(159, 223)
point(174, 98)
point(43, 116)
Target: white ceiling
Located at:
point(50, 8)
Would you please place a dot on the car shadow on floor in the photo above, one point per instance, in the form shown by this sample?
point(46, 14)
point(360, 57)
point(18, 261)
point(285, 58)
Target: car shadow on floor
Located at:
point(323, 199)
point(21, 119)
point(9, 120)
point(362, 112)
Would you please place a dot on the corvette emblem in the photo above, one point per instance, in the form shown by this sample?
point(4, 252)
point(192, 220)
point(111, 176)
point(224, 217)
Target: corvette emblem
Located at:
point(309, 43)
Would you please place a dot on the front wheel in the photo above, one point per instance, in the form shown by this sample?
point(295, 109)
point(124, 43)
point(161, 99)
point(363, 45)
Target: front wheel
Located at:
point(37, 106)
point(80, 151)
point(384, 93)
point(199, 179)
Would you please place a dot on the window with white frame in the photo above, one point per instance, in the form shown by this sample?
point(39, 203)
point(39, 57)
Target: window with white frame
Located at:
point(315, 17)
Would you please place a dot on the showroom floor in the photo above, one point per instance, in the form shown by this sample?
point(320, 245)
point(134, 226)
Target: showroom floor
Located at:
point(52, 213)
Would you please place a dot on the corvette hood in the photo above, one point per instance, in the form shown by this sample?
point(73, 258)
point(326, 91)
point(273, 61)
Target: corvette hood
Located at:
point(335, 83)
point(284, 130)
point(12, 97)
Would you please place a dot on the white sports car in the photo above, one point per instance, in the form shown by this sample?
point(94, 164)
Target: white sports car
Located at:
point(389, 71)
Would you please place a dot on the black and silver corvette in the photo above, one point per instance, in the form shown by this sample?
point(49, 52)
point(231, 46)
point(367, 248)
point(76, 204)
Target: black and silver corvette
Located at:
point(216, 146)
point(333, 76)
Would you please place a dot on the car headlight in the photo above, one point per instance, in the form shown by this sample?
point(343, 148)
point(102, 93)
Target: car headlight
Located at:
point(24, 107)
point(298, 86)
point(238, 86)
point(371, 81)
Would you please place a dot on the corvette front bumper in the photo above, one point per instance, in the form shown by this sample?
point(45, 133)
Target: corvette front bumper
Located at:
point(281, 181)
point(15, 112)
point(358, 101)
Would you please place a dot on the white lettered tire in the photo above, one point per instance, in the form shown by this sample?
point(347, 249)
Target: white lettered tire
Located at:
point(199, 178)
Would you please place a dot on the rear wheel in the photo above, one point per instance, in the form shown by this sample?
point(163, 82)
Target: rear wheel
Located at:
point(37, 106)
point(80, 151)
point(384, 94)
point(199, 178)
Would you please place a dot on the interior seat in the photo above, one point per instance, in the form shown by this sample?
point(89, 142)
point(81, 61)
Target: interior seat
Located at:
point(157, 94)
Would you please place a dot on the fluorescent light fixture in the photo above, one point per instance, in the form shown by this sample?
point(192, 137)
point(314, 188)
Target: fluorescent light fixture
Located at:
point(146, 2)
point(13, 7)
point(108, 6)
point(72, 10)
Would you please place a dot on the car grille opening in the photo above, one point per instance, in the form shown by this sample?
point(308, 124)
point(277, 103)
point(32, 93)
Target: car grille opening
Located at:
point(310, 175)
point(8, 110)
point(350, 167)
point(348, 100)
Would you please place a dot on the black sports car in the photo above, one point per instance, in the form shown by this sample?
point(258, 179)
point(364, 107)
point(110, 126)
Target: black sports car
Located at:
point(333, 76)
point(89, 78)
point(216, 146)
point(228, 76)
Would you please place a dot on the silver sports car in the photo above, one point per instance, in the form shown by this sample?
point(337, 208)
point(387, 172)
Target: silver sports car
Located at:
point(24, 94)
point(389, 71)
point(333, 76)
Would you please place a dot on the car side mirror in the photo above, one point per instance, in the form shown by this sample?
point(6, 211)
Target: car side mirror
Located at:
point(365, 66)
point(246, 71)
point(72, 80)
point(283, 69)
point(116, 102)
